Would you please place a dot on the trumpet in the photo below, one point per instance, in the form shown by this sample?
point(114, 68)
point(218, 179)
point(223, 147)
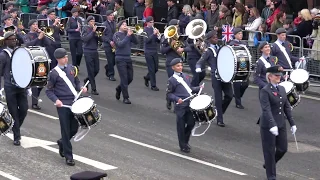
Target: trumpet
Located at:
point(20, 24)
point(158, 34)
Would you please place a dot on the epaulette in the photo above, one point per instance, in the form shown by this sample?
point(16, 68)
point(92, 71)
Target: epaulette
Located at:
point(75, 71)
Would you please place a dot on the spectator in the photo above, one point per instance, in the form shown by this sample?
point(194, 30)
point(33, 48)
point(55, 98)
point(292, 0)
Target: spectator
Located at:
point(289, 31)
point(24, 5)
point(304, 29)
point(138, 9)
point(266, 11)
point(184, 18)
point(118, 9)
point(212, 15)
point(198, 13)
point(173, 12)
point(253, 24)
point(314, 12)
point(224, 19)
point(261, 36)
point(63, 6)
point(297, 20)
point(102, 8)
point(33, 6)
point(246, 14)
point(238, 14)
point(278, 23)
point(277, 7)
point(148, 11)
point(315, 53)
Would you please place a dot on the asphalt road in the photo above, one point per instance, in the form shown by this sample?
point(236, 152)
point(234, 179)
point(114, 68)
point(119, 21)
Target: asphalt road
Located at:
point(140, 140)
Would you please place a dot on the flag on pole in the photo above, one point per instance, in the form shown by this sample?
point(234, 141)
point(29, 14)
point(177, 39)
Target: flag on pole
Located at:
point(227, 33)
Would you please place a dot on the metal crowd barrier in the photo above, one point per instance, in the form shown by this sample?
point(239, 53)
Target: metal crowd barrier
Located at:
point(313, 54)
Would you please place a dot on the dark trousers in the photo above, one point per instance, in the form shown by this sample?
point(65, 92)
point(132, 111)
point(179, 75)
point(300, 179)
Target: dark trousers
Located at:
point(111, 61)
point(50, 49)
point(197, 77)
point(76, 51)
point(185, 124)
point(35, 95)
point(92, 63)
point(221, 104)
point(125, 71)
point(153, 64)
point(17, 102)
point(274, 148)
point(239, 88)
point(69, 127)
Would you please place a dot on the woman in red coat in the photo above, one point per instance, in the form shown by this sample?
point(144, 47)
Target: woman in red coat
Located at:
point(148, 11)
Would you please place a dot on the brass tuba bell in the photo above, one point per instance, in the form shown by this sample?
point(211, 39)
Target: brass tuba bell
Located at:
point(171, 33)
point(196, 30)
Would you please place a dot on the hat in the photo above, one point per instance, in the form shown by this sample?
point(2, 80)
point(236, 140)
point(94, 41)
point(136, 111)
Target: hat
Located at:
point(7, 16)
point(8, 34)
point(120, 23)
point(262, 44)
point(109, 12)
point(9, 4)
point(173, 22)
point(236, 30)
point(276, 70)
point(51, 11)
point(210, 34)
point(73, 10)
point(89, 18)
point(88, 175)
point(281, 30)
point(32, 21)
point(60, 53)
point(149, 18)
point(14, 10)
point(175, 61)
point(42, 8)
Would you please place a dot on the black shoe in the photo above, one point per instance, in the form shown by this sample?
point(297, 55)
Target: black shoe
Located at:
point(264, 166)
point(188, 146)
point(169, 105)
point(112, 79)
point(36, 107)
point(146, 81)
point(239, 106)
point(107, 71)
point(60, 148)
point(16, 143)
point(84, 82)
point(94, 92)
point(185, 150)
point(155, 88)
point(70, 162)
point(118, 93)
point(126, 101)
point(221, 124)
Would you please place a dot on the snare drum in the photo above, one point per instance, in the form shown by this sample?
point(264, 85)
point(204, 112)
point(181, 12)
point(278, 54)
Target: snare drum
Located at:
point(30, 66)
point(300, 78)
point(234, 63)
point(202, 108)
point(86, 112)
point(292, 95)
point(6, 121)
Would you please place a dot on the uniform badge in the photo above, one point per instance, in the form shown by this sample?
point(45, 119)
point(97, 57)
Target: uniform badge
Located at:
point(74, 71)
point(90, 118)
point(243, 64)
point(42, 70)
point(2, 125)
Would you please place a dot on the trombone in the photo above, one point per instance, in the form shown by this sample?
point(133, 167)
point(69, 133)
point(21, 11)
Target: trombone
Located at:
point(138, 30)
point(48, 32)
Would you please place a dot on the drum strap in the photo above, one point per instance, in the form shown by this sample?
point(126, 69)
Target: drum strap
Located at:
point(184, 84)
point(283, 49)
point(66, 80)
point(265, 62)
point(213, 51)
point(8, 52)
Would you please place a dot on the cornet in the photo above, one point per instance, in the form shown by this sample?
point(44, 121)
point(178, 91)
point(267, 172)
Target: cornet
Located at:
point(159, 34)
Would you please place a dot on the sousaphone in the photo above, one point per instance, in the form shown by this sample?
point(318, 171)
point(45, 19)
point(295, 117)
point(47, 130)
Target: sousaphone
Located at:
point(196, 30)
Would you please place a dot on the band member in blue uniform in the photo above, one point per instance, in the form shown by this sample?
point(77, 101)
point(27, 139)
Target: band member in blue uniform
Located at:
point(9, 26)
point(151, 53)
point(35, 37)
point(239, 87)
point(275, 109)
point(210, 57)
point(90, 50)
point(166, 49)
point(62, 88)
point(109, 44)
point(43, 12)
point(283, 50)
point(179, 88)
point(16, 97)
point(123, 39)
point(74, 35)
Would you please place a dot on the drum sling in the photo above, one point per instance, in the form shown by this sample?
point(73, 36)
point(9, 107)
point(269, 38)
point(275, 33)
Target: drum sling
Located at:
point(66, 80)
point(213, 51)
point(283, 50)
point(265, 62)
point(184, 84)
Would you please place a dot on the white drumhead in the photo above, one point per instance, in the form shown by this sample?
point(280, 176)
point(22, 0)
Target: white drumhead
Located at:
point(287, 85)
point(299, 76)
point(200, 102)
point(82, 105)
point(226, 63)
point(21, 67)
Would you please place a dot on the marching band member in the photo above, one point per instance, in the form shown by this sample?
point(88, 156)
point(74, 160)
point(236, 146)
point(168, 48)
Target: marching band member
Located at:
point(35, 37)
point(43, 12)
point(16, 97)
point(90, 50)
point(8, 6)
point(8, 23)
point(14, 15)
point(170, 53)
point(210, 56)
point(179, 88)
point(239, 87)
point(151, 53)
point(123, 40)
point(62, 88)
point(109, 44)
point(275, 109)
point(73, 28)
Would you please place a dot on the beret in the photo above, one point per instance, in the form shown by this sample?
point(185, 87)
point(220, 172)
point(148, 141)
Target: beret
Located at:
point(109, 12)
point(120, 23)
point(7, 16)
point(60, 53)
point(236, 30)
point(210, 34)
point(276, 70)
point(73, 10)
point(149, 18)
point(8, 34)
point(173, 22)
point(51, 11)
point(88, 175)
point(14, 10)
point(89, 18)
point(175, 61)
point(262, 44)
point(281, 30)
point(43, 8)
point(31, 22)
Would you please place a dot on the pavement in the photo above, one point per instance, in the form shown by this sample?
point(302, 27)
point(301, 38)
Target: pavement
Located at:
point(139, 141)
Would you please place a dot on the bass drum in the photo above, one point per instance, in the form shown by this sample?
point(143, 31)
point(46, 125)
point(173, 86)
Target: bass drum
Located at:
point(234, 63)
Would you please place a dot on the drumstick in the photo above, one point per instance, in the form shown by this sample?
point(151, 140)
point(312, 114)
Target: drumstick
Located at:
point(286, 79)
point(187, 98)
point(202, 86)
point(81, 91)
point(64, 106)
point(295, 139)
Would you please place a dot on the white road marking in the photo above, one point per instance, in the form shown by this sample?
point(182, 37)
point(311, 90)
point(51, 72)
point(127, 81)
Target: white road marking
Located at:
point(6, 175)
point(178, 155)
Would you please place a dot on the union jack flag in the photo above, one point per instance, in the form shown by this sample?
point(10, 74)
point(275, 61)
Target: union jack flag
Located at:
point(227, 33)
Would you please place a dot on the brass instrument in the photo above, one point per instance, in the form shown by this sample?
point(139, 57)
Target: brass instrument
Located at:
point(20, 24)
point(171, 33)
point(63, 23)
point(159, 34)
point(196, 30)
point(48, 32)
point(9, 29)
point(138, 30)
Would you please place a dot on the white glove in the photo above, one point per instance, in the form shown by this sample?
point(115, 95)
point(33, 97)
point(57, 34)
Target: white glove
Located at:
point(294, 129)
point(198, 70)
point(29, 92)
point(274, 130)
point(209, 68)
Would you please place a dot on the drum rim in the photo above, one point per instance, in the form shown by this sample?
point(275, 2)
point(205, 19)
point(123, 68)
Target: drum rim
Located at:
point(94, 105)
point(297, 70)
point(235, 63)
